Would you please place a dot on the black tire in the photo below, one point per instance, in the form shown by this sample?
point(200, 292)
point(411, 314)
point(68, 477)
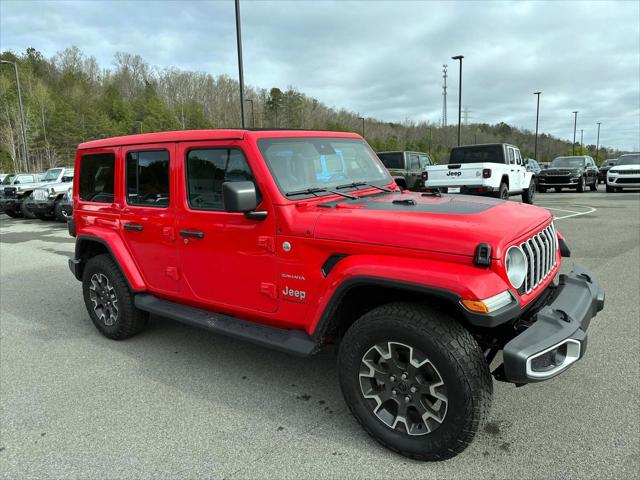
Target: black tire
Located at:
point(58, 212)
point(609, 189)
point(529, 194)
point(558, 189)
point(44, 218)
point(13, 213)
point(594, 187)
point(26, 213)
point(128, 320)
point(503, 191)
point(542, 189)
point(580, 187)
point(457, 361)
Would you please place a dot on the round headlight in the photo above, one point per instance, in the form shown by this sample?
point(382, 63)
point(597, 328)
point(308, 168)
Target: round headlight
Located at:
point(516, 265)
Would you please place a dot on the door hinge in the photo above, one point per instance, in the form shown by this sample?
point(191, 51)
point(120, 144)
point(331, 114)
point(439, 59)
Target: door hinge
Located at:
point(173, 273)
point(269, 289)
point(268, 243)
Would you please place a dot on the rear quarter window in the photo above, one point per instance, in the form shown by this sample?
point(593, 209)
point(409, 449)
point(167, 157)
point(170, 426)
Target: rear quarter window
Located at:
point(97, 177)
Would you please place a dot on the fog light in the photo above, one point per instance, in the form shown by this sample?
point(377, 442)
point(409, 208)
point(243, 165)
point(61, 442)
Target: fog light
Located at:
point(554, 359)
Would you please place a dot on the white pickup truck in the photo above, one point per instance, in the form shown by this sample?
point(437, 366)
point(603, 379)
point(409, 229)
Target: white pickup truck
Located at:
point(492, 169)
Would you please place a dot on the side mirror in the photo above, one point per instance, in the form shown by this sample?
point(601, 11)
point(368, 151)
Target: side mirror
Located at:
point(239, 196)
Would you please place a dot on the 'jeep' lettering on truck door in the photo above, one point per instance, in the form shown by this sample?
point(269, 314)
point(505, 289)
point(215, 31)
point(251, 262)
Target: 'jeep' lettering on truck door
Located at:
point(291, 294)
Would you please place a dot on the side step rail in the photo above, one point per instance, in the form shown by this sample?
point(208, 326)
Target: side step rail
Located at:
point(290, 341)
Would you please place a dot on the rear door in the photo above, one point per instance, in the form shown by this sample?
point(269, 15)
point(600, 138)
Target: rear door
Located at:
point(414, 172)
point(149, 213)
point(515, 181)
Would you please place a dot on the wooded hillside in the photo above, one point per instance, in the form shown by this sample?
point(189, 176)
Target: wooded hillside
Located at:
point(69, 99)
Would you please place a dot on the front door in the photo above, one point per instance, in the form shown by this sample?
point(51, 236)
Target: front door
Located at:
point(149, 212)
point(226, 259)
point(514, 173)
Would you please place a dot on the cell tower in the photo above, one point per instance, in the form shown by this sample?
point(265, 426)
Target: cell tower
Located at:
point(444, 96)
point(465, 115)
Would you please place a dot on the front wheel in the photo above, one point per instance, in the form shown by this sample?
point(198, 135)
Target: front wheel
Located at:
point(13, 213)
point(26, 213)
point(109, 300)
point(609, 189)
point(580, 187)
point(60, 213)
point(415, 379)
point(594, 187)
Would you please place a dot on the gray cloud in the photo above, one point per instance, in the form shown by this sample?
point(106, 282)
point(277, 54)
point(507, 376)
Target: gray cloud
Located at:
point(382, 59)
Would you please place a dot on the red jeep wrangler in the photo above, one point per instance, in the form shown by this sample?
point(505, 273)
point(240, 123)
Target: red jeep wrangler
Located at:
point(296, 239)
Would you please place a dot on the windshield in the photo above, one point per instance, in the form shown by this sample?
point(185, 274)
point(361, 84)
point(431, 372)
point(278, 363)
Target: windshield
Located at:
point(568, 162)
point(321, 163)
point(51, 175)
point(392, 160)
point(629, 160)
point(8, 179)
point(479, 154)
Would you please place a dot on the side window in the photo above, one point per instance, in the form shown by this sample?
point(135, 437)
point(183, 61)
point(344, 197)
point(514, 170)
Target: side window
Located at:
point(66, 179)
point(208, 169)
point(518, 157)
point(414, 162)
point(424, 161)
point(512, 158)
point(148, 178)
point(97, 177)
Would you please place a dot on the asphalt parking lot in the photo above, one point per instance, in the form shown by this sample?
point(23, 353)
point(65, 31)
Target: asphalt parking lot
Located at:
point(177, 402)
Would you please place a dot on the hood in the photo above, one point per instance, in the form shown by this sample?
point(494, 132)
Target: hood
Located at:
point(453, 224)
point(624, 168)
point(562, 170)
point(57, 187)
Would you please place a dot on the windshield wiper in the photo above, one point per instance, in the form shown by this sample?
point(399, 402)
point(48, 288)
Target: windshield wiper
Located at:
point(314, 191)
point(362, 184)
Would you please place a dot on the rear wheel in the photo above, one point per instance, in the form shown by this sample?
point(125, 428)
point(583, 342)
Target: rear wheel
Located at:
point(109, 300)
point(415, 379)
point(26, 213)
point(529, 194)
point(60, 213)
point(503, 191)
point(609, 189)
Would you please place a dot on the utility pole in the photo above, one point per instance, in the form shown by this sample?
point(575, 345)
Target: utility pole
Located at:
point(465, 115)
point(22, 122)
point(429, 141)
point(444, 95)
point(535, 144)
point(240, 68)
point(581, 137)
point(459, 57)
point(253, 117)
point(362, 118)
point(575, 121)
point(598, 143)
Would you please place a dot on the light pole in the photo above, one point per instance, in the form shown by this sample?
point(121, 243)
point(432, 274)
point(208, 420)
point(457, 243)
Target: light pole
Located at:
point(581, 137)
point(240, 69)
point(139, 122)
point(598, 143)
point(253, 117)
point(575, 120)
point(24, 128)
point(535, 144)
point(362, 118)
point(459, 57)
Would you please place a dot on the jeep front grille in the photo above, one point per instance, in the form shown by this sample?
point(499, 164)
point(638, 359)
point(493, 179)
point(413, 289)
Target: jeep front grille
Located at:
point(541, 251)
point(10, 192)
point(40, 194)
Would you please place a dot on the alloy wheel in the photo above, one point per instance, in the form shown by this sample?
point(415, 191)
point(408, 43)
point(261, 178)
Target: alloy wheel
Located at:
point(403, 388)
point(104, 299)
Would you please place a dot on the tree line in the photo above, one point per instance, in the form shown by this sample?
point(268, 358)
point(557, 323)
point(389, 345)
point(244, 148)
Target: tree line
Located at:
point(69, 99)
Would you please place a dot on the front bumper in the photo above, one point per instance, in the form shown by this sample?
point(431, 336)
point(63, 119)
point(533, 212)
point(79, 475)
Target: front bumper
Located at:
point(11, 204)
point(623, 181)
point(557, 336)
point(551, 182)
point(40, 207)
point(467, 189)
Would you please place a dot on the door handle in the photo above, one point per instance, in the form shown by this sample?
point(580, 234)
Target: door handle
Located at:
point(191, 234)
point(133, 226)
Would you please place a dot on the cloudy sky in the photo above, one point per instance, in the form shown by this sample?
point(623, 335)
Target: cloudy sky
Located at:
point(382, 59)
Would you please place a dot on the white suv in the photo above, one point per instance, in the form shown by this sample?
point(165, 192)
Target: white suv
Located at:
point(625, 173)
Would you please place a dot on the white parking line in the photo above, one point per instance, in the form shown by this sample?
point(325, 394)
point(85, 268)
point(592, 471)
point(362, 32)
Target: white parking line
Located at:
point(572, 213)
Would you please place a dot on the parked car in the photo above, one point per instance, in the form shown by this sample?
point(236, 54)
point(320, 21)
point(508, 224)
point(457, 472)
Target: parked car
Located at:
point(625, 173)
point(604, 168)
point(231, 231)
point(492, 169)
point(406, 167)
point(532, 166)
point(576, 172)
point(544, 165)
point(14, 196)
point(9, 187)
point(46, 202)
